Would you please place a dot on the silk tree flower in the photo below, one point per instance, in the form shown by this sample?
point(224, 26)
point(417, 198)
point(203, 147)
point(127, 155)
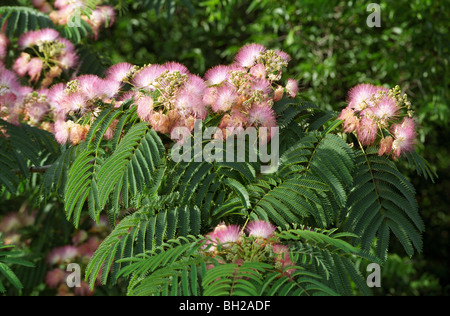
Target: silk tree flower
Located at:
point(359, 97)
point(386, 109)
point(260, 228)
point(34, 68)
point(172, 66)
point(226, 98)
point(262, 115)
point(351, 121)
point(120, 72)
point(385, 145)
point(145, 77)
point(144, 107)
point(292, 87)
point(404, 136)
point(367, 131)
point(32, 38)
point(21, 64)
point(224, 235)
point(217, 75)
point(247, 55)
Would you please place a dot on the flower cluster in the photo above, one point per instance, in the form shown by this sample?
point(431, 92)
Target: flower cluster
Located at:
point(45, 55)
point(246, 90)
point(67, 11)
point(377, 115)
point(229, 243)
point(166, 96)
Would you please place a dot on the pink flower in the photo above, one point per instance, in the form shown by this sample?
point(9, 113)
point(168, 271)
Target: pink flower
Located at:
point(217, 75)
point(160, 122)
point(76, 102)
point(292, 87)
point(404, 136)
point(35, 67)
point(90, 86)
point(262, 115)
point(258, 71)
point(385, 109)
point(61, 130)
point(228, 234)
point(225, 99)
point(144, 108)
point(351, 121)
point(360, 95)
point(174, 66)
point(210, 95)
point(68, 60)
point(21, 64)
point(247, 55)
point(367, 131)
point(35, 37)
point(261, 85)
point(260, 228)
point(119, 72)
point(385, 145)
point(145, 78)
point(77, 133)
point(109, 88)
point(9, 82)
point(285, 56)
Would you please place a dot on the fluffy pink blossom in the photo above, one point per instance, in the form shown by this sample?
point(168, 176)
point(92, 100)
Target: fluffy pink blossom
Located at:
point(225, 99)
point(367, 131)
point(247, 55)
point(90, 86)
point(145, 78)
point(262, 115)
point(260, 228)
point(217, 75)
point(21, 64)
point(31, 38)
point(68, 60)
point(76, 102)
point(385, 109)
point(285, 56)
point(227, 234)
point(119, 72)
point(144, 108)
point(258, 71)
point(261, 85)
point(174, 66)
point(292, 87)
point(351, 121)
point(404, 136)
point(359, 96)
point(34, 68)
point(385, 145)
point(61, 130)
point(9, 82)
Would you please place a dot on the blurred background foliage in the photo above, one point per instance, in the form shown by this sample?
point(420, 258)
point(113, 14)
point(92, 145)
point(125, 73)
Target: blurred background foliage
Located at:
point(332, 49)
